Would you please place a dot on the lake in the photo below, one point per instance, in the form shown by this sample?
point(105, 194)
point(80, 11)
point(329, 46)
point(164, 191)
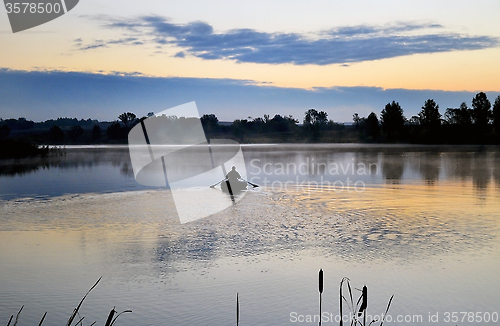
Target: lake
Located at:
point(421, 223)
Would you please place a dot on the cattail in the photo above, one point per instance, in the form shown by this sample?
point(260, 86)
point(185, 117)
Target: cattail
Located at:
point(110, 317)
point(237, 309)
point(364, 303)
point(320, 281)
point(320, 286)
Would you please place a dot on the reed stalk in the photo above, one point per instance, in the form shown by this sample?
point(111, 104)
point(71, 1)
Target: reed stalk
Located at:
point(237, 309)
point(17, 316)
point(75, 311)
point(360, 308)
point(43, 318)
point(320, 288)
point(109, 322)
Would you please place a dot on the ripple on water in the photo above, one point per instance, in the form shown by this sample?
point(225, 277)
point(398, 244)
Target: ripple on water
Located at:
point(403, 222)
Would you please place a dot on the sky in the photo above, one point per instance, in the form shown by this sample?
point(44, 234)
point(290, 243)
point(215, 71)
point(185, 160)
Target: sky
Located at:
point(248, 58)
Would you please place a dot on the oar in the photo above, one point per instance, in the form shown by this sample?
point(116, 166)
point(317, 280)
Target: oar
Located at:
point(252, 184)
point(213, 186)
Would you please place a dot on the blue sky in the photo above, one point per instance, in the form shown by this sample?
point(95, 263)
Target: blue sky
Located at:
point(83, 95)
point(248, 58)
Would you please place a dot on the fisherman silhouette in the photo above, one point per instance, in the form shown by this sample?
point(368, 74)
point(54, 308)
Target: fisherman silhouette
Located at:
point(233, 175)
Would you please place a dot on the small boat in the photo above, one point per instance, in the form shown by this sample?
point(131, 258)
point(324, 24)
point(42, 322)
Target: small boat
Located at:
point(235, 186)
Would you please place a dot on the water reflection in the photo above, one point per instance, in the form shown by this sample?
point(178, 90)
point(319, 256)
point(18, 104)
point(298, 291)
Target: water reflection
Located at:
point(127, 170)
point(73, 159)
point(407, 223)
point(386, 232)
point(80, 170)
point(369, 159)
point(428, 165)
point(393, 166)
point(496, 168)
point(459, 165)
point(109, 169)
point(481, 170)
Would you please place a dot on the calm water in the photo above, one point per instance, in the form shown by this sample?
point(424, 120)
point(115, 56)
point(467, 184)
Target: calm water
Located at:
point(419, 223)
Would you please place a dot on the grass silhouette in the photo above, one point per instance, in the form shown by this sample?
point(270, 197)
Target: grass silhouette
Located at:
point(357, 309)
point(113, 315)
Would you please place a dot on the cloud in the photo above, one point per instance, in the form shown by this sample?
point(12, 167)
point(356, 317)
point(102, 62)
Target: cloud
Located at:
point(103, 44)
point(335, 46)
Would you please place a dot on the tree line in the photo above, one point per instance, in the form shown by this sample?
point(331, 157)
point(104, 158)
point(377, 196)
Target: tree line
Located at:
point(461, 125)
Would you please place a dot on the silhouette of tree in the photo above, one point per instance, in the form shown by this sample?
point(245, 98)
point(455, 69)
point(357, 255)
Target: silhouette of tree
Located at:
point(18, 148)
point(429, 117)
point(19, 124)
point(209, 122)
point(240, 128)
point(357, 120)
point(393, 120)
point(209, 119)
point(4, 131)
point(458, 127)
point(56, 134)
point(481, 112)
point(282, 124)
point(427, 125)
point(314, 117)
point(461, 116)
point(372, 126)
point(116, 131)
point(127, 119)
point(315, 121)
point(496, 115)
point(259, 125)
point(96, 132)
point(75, 132)
point(332, 125)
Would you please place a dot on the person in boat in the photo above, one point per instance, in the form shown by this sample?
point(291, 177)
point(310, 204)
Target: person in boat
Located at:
point(232, 183)
point(233, 175)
